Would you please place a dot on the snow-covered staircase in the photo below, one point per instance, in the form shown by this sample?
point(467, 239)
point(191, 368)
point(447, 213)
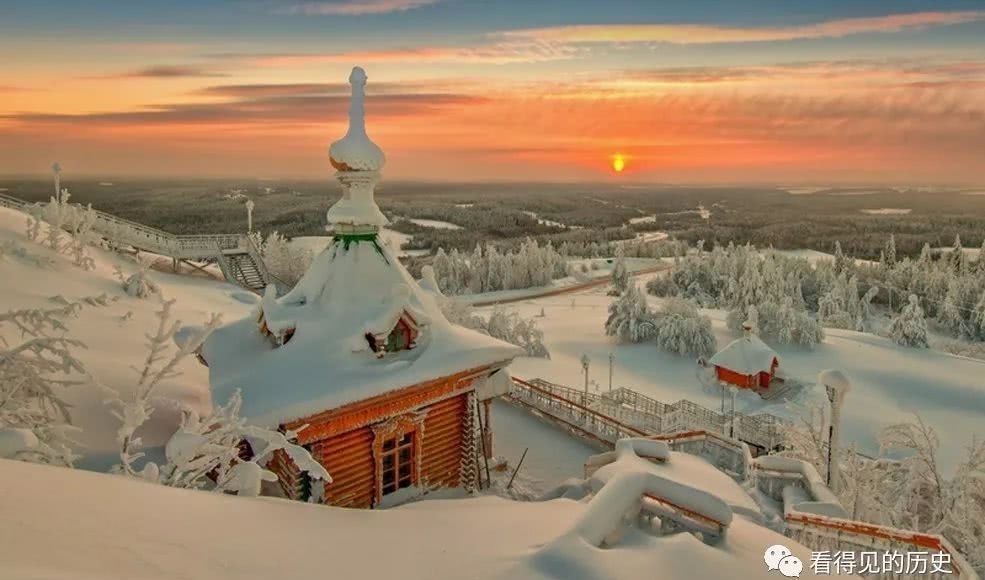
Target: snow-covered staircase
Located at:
point(244, 269)
point(237, 255)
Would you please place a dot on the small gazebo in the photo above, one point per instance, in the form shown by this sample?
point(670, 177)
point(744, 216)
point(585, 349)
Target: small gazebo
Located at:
point(747, 362)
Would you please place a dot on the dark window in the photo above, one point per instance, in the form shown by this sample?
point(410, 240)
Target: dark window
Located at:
point(397, 463)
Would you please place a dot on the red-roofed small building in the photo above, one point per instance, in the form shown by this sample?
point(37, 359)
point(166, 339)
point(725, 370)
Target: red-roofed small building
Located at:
point(746, 362)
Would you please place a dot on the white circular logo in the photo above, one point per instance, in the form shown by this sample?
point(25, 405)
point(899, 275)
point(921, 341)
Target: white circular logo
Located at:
point(774, 554)
point(791, 566)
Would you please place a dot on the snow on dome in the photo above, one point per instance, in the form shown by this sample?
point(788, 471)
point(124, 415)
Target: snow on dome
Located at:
point(358, 161)
point(747, 355)
point(356, 151)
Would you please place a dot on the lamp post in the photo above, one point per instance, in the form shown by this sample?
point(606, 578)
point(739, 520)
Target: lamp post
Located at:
point(57, 170)
point(612, 361)
point(249, 216)
point(585, 362)
point(837, 385)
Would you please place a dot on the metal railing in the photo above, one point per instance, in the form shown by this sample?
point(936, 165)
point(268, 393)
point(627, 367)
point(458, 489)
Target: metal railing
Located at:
point(829, 534)
point(654, 417)
point(180, 247)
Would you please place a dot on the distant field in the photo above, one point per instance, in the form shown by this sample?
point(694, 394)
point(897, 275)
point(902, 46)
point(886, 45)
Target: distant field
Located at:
point(791, 218)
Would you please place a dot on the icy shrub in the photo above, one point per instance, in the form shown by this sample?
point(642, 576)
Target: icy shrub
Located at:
point(34, 419)
point(205, 452)
point(138, 284)
point(909, 327)
point(285, 260)
point(662, 286)
point(506, 326)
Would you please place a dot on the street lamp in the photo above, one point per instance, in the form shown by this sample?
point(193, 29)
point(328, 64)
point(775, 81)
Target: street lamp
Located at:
point(612, 361)
point(249, 216)
point(585, 361)
point(57, 170)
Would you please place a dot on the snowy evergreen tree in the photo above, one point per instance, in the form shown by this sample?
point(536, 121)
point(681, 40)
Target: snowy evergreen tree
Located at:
point(629, 318)
point(620, 274)
point(287, 261)
point(682, 330)
point(909, 328)
point(890, 251)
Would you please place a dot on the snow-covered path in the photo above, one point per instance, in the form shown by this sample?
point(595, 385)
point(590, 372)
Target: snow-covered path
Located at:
point(554, 455)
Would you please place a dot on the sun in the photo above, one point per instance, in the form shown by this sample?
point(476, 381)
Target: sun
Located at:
point(618, 162)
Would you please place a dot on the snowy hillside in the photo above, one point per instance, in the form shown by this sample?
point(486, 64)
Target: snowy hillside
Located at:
point(61, 523)
point(891, 382)
point(114, 334)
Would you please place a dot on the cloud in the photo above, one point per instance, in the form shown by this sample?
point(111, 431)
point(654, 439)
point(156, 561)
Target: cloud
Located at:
point(712, 34)
point(253, 105)
point(354, 7)
point(490, 53)
point(166, 71)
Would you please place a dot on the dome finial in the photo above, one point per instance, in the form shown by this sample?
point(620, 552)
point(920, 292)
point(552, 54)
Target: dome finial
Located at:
point(357, 109)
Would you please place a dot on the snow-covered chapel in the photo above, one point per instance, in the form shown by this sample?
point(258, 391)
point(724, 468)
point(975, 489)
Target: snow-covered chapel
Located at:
point(384, 392)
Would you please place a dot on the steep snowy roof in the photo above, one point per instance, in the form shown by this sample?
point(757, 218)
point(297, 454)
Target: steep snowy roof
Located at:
point(747, 355)
point(351, 289)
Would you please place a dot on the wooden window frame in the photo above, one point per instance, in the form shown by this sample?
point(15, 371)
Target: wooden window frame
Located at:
point(395, 429)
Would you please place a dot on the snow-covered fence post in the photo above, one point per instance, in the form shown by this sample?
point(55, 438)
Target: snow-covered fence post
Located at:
point(837, 386)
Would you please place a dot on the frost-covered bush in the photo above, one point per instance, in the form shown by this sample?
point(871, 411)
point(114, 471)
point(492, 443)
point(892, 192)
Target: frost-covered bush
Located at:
point(205, 452)
point(629, 318)
point(662, 286)
point(69, 220)
point(501, 324)
point(139, 284)
point(285, 260)
point(909, 328)
point(35, 423)
point(682, 330)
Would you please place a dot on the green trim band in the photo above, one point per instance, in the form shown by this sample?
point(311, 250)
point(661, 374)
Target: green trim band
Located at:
point(348, 239)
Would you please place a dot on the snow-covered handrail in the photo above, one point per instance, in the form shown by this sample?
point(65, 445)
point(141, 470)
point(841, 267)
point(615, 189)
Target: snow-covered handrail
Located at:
point(573, 414)
point(778, 477)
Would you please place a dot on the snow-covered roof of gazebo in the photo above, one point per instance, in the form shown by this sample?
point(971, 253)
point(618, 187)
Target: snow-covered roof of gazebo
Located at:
point(319, 356)
point(747, 355)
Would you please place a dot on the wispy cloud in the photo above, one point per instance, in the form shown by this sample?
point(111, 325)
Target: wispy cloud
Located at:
point(253, 105)
point(166, 71)
point(505, 52)
point(354, 7)
point(712, 34)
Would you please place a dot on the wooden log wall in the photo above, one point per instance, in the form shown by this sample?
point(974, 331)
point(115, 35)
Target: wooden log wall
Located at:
point(441, 449)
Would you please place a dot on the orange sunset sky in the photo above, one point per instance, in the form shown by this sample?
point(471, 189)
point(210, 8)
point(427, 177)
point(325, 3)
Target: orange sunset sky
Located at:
point(699, 92)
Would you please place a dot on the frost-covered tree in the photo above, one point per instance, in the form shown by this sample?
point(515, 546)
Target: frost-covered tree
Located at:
point(909, 328)
point(918, 496)
point(501, 324)
point(620, 274)
point(285, 260)
point(890, 251)
point(629, 318)
point(65, 219)
point(681, 329)
point(34, 418)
